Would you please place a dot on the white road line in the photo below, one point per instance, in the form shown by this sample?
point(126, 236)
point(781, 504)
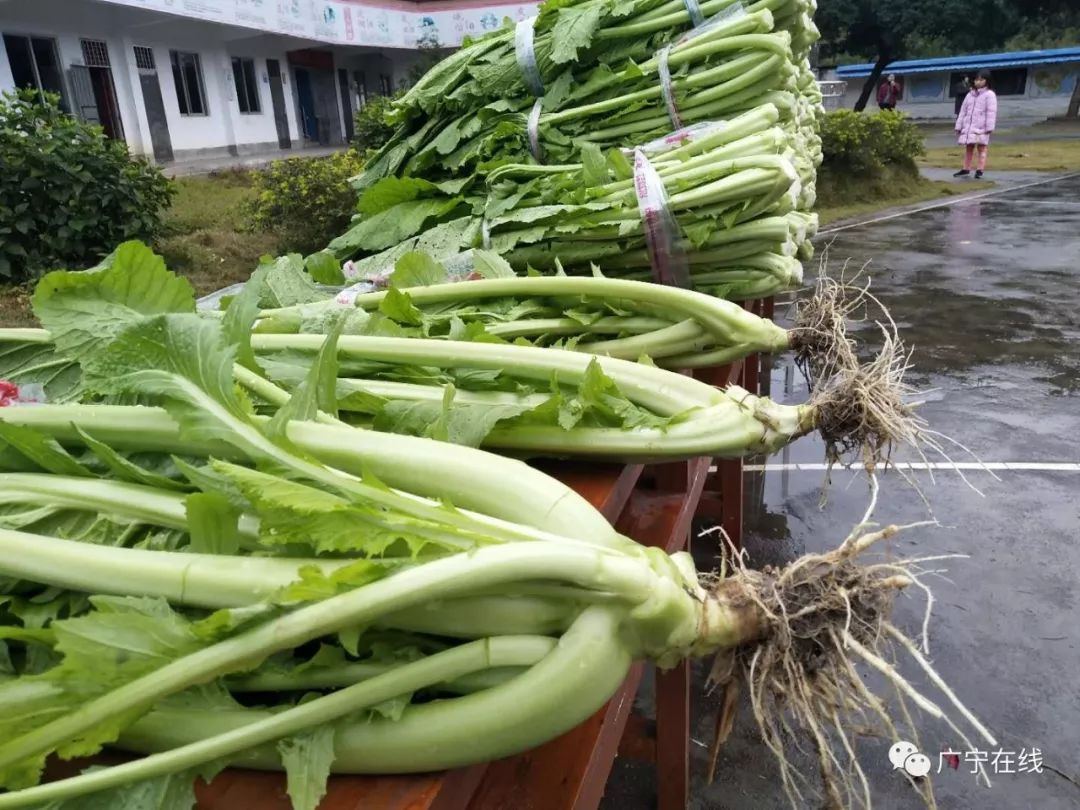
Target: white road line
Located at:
point(945, 203)
point(965, 466)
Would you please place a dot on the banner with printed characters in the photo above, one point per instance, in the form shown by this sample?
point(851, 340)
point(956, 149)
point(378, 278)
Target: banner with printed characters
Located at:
point(350, 22)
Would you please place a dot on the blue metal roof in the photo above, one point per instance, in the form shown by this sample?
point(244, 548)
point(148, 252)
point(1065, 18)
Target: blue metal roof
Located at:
point(971, 62)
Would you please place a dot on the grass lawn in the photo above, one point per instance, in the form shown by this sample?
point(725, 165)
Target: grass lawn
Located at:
point(844, 196)
point(1051, 155)
point(206, 239)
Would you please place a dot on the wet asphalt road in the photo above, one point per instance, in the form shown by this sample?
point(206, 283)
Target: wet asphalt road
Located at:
point(988, 294)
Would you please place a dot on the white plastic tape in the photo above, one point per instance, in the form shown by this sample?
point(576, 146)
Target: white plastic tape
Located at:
point(694, 10)
point(678, 138)
point(533, 126)
point(666, 89)
point(526, 56)
point(667, 253)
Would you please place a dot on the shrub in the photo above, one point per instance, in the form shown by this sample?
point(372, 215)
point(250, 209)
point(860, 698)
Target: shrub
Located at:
point(857, 142)
point(306, 202)
point(68, 194)
point(371, 129)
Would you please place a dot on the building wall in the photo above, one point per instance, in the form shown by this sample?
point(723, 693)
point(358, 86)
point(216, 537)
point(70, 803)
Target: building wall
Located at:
point(926, 95)
point(223, 130)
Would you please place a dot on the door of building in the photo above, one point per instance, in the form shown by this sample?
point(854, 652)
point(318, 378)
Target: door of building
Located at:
point(99, 71)
point(305, 96)
point(277, 97)
point(346, 102)
point(155, 107)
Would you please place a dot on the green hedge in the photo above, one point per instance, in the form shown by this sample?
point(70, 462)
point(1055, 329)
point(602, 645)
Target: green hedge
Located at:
point(858, 142)
point(68, 194)
point(306, 202)
point(370, 127)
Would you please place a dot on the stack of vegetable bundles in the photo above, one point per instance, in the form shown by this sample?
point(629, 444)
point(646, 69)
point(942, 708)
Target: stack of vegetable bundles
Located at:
point(610, 133)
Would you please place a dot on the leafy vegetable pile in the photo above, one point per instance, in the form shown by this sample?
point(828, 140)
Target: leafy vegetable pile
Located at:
point(196, 572)
point(476, 163)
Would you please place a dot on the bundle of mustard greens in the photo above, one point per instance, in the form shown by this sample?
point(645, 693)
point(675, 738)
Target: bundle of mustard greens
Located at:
point(531, 142)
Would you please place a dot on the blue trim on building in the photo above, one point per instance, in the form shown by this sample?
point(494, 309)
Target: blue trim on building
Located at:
point(972, 62)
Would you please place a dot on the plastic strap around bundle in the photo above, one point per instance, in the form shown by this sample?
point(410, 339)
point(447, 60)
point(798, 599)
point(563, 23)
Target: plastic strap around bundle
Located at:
point(732, 12)
point(347, 296)
point(24, 394)
point(667, 91)
point(534, 132)
point(678, 138)
point(485, 234)
point(526, 56)
point(667, 253)
point(694, 10)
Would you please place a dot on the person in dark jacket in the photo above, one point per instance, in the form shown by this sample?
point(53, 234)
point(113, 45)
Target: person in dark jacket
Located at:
point(960, 91)
point(888, 93)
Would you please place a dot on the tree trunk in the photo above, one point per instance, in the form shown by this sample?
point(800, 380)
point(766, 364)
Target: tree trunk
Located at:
point(872, 81)
point(1074, 102)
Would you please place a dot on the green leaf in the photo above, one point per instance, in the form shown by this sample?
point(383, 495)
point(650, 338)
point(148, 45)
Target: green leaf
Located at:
point(619, 164)
point(124, 469)
point(594, 164)
point(318, 390)
point(241, 314)
point(84, 310)
point(574, 30)
point(122, 639)
point(213, 523)
point(183, 362)
point(467, 425)
point(324, 268)
point(307, 758)
point(286, 283)
point(40, 450)
point(175, 791)
point(32, 362)
point(292, 512)
point(390, 191)
point(417, 269)
point(398, 306)
point(313, 584)
point(489, 264)
point(394, 225)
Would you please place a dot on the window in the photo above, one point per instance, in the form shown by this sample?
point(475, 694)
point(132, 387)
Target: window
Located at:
point(247, 89)
point(144, 58)
point(187, 75)
point(35, 64)
point(386, 85)
point(1011, 82)
point(95, 53)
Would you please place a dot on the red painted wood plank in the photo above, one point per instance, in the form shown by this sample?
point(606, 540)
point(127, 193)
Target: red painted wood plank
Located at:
point(605, 486)
point(673, 738)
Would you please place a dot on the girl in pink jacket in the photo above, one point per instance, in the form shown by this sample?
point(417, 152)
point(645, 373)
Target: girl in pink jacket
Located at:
point(977, 119)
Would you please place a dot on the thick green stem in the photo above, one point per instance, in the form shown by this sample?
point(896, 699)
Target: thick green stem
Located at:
point(454, 663)
point(652, 388)
point(442, 578)
point(501, 487)
point(201, 580)
point(556, 694)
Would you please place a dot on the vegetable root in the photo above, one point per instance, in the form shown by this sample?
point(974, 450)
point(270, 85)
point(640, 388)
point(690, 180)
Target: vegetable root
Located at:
point(824, 615)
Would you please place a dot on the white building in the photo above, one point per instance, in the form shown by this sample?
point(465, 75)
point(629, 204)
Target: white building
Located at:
point(182, 79)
